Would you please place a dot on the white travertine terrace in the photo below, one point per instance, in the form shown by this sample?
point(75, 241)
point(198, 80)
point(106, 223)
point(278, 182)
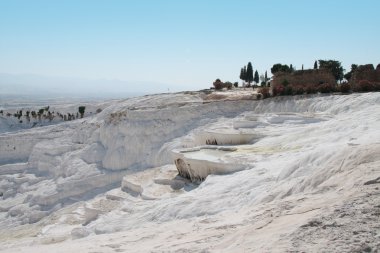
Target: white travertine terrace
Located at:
point(197, 163)
point(108, 183)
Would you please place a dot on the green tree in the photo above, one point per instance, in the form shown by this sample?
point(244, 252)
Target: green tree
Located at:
point(242, 73)
point(256, 78)
point(291, 68)
point(334, 66)
point(348, 75)
point(315, 65)
point(81, 110)
point(218, 84)
point(278, 67)
point(249, 75)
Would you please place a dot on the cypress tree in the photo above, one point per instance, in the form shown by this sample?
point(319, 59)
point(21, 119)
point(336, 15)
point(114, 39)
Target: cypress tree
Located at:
point(241, 74)
point(249, 75)
point(245, 73)
point(315, 65)
point(256, 78)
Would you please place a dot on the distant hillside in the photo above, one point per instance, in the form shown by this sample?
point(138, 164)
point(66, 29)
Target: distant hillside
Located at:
point(29, 84)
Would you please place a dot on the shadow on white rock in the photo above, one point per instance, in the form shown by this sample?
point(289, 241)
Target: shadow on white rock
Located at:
point(197, 163)
point(156, 183)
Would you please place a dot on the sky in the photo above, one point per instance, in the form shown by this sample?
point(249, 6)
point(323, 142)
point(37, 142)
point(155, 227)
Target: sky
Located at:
point(178, 44)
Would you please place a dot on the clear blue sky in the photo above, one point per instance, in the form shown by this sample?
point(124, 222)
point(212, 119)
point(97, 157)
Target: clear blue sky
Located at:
point(186, 43)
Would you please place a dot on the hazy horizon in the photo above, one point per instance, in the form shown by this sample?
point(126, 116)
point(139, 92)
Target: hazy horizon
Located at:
point(115, 47)
point(41, 85)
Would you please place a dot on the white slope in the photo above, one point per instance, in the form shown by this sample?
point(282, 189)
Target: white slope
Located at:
point(10, 123)
point(310, 182)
